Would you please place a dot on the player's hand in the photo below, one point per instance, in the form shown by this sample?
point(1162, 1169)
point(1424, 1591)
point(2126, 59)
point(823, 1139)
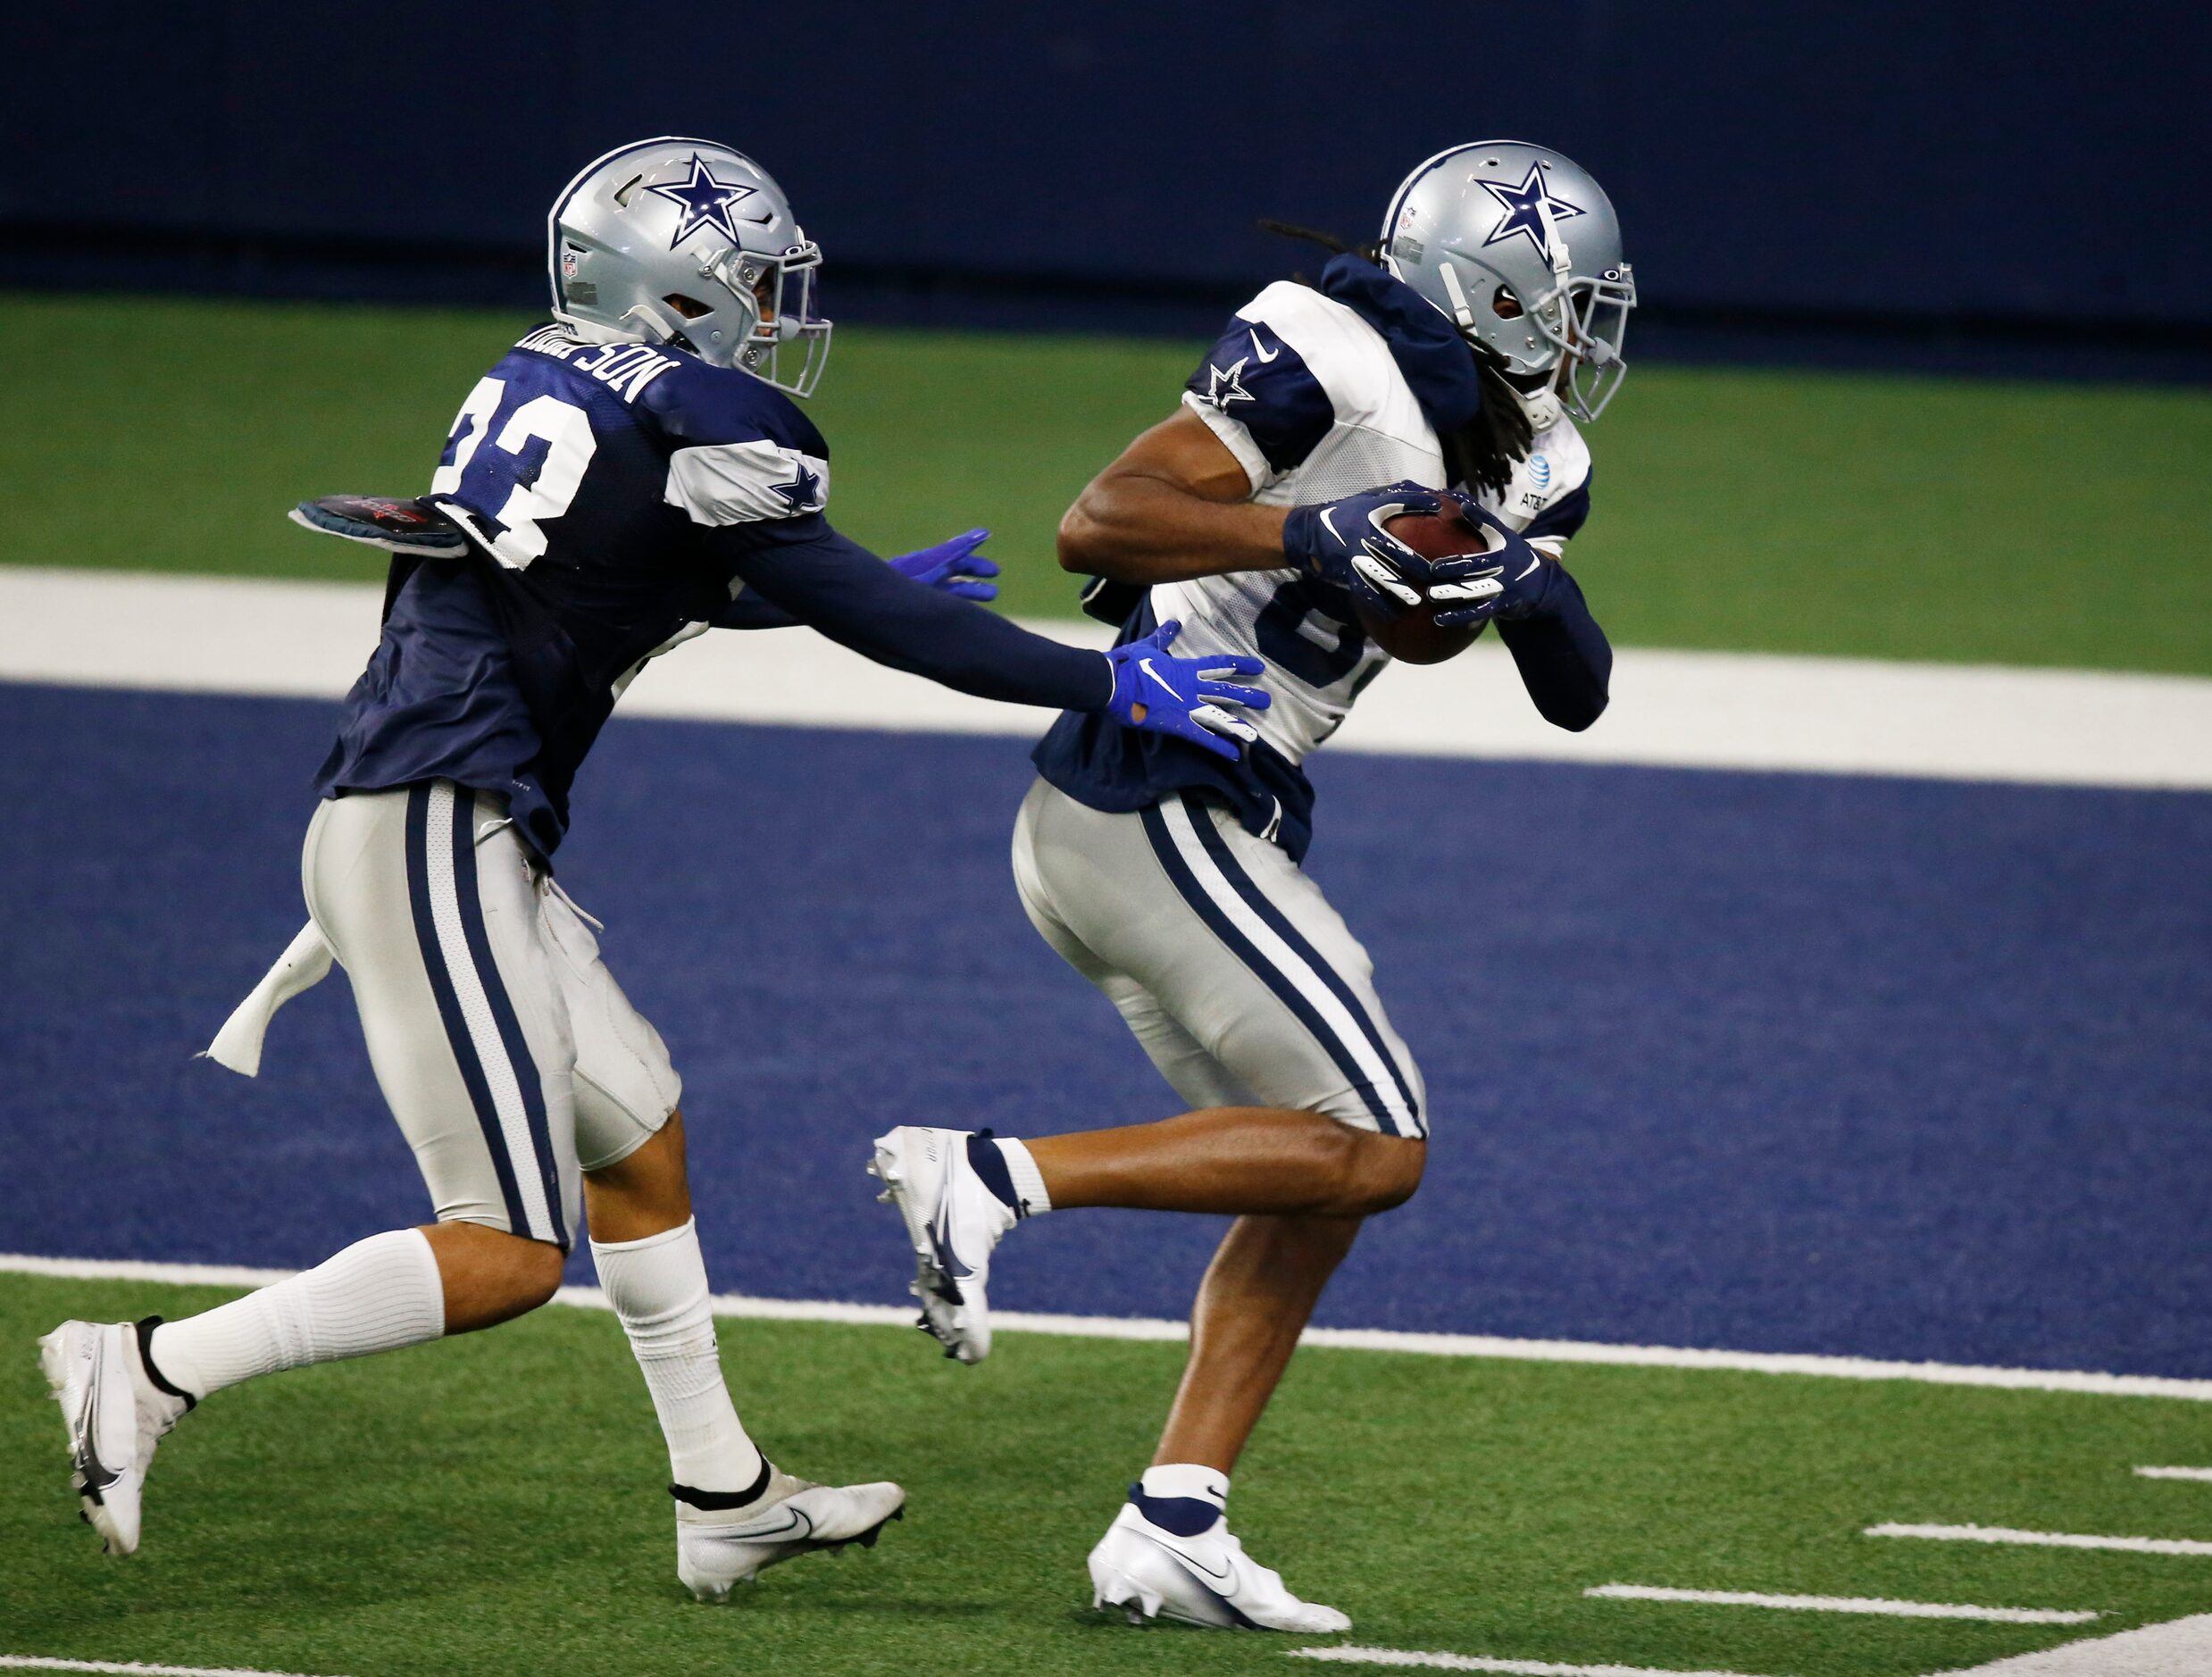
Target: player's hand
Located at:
point(954, 566)
point(1512, 580)
point(396, 523)
point(1344, 542)
point(1156, 691)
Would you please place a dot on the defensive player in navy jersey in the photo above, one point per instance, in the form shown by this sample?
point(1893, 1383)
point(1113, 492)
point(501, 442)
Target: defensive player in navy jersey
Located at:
point(1448, 358)
point(622, 475)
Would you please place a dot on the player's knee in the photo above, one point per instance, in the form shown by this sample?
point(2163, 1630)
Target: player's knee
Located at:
point(1383, 1172)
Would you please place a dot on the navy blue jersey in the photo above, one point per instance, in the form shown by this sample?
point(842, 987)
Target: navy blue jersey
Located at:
point(591, 478)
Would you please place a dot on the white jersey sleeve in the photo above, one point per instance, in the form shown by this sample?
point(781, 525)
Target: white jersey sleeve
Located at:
point(1305, 394)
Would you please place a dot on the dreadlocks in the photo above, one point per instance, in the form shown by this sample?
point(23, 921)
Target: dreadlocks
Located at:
point(1481, 454)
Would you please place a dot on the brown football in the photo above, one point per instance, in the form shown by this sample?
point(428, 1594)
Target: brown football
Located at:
point(1413, 636)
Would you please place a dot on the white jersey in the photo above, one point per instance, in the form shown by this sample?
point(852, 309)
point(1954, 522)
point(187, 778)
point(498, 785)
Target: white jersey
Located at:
point(1311, 401)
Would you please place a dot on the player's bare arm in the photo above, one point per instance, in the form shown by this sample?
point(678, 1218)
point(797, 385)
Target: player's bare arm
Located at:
point(1175, 504)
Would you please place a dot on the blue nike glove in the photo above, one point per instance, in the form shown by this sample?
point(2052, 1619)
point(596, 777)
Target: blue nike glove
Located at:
point(1343, 542)
point(1163, 694)
point(1512, 581)
point(952, 566)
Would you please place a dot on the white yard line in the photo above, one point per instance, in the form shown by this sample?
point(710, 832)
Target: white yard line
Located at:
point(1705, 710)
point(2201, 1474)
point(2043, 1540)
point(130, 1668)
point(1351, 1653)
point(2180, 1647)
point(1467, 1345)
point(1842, 1604)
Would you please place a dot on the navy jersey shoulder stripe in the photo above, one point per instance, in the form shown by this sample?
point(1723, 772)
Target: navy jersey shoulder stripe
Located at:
point(1252, 376)
point(698, 404)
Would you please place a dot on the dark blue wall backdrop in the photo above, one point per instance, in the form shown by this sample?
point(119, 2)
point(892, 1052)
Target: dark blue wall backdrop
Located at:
point(1914, 162)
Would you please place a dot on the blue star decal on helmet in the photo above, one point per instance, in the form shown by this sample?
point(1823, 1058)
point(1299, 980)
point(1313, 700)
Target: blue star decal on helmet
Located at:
point(1526, 206)
point(1223, 388)
point(705, 202)
point(803, 493)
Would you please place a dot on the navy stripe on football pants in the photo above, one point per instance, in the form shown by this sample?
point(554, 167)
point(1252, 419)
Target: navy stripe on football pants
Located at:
point(1265, 907)
point(1294, 980)
point(481, 1028)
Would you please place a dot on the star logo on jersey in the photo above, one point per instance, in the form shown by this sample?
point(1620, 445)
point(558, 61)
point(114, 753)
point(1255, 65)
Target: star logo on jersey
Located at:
point(1525, 206)
point(704, 201)
point(803, 493)
point(1223, 388)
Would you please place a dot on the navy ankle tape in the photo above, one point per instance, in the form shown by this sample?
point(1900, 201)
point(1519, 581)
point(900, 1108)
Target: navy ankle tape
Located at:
point(989, 1165)
point(724, 1501)
point(1185, 1516)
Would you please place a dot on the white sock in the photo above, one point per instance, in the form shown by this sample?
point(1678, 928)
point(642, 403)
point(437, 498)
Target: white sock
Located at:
point(377, 1294)
point(1187, 1479)
point(1029, 1183)
point(658, 1288)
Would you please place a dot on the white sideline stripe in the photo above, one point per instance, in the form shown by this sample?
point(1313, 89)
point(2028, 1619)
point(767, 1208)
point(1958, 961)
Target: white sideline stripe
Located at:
point(2180, 1647)
point(1467, 1345)
point(2043, 1540)
point(1347, 1654)
point(1683, 709)
point(1843, 1604)
point(132, 1668)
point(2201, 1473)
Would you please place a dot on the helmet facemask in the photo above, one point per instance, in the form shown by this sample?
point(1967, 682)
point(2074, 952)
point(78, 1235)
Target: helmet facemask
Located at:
point(1587, 319)
point(778, 292)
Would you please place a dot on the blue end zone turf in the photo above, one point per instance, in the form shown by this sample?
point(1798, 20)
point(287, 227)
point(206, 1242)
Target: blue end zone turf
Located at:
point(1771, 1062)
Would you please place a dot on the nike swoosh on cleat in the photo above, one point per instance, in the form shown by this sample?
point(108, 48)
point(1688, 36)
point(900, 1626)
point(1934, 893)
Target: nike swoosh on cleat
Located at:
point(796, 1524)
point(1190, 1560)
point(940, 1236)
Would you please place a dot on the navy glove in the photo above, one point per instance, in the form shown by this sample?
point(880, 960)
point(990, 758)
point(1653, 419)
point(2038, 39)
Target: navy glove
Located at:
point(1163, 694)
point(1511, 580)
point(952, 566)
point(1343, 542)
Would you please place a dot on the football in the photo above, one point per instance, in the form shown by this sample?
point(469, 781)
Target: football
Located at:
point(1412, 637)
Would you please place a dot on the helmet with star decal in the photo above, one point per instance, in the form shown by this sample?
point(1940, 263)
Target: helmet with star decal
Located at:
point(1521, 248)
point(693, 244)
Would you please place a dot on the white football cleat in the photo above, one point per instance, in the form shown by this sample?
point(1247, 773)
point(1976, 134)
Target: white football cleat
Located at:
point(715, 1551)
point(953, 1222)
point(1207, 1579)
point(115, 1414)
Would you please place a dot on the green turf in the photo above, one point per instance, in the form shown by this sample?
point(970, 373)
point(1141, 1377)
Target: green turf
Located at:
point(491, 1506)
point(1778, 511)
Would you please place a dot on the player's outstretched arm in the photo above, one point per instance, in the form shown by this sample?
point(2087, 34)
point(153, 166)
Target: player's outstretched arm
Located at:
point(954, 566)
point(803, 567)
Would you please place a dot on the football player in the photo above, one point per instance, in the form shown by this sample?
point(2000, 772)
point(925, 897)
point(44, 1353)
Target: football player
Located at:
point(626, 472)
point(1455, 355)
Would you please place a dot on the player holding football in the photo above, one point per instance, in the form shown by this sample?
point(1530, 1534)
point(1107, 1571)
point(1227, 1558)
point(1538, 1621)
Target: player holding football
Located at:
point(1449, 357)
point(624, 475)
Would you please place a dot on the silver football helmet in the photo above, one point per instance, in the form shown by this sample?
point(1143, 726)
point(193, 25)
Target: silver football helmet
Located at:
point(688, 242)
point(1520, 248)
